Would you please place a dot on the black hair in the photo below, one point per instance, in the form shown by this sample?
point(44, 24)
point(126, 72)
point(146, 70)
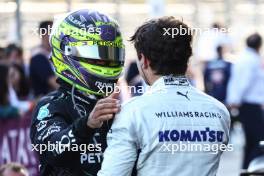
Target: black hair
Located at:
point(167, 54)
point(216, 25)
point(46, 25)
point(11, 48)
point(4, 85)
point(254, 41)
point(23, 84)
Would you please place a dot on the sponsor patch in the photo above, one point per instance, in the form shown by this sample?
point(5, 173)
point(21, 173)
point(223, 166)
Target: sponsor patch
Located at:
point(51, 130)
point(41, 125)
point(192, 136)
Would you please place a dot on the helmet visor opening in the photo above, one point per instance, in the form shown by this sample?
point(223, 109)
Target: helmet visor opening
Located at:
point(100, 62)
point(96, 52)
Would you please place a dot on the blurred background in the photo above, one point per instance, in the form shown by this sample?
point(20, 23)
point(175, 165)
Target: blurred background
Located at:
point(20, 21)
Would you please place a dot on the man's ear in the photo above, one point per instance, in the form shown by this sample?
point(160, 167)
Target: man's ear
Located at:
point(144, 62)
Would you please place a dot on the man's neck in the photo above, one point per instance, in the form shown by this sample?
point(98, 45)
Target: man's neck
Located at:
point(153, 78)
point(46, 47)
point(256, 51)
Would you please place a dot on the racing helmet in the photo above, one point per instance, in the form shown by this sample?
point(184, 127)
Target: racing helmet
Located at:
point(87, 51)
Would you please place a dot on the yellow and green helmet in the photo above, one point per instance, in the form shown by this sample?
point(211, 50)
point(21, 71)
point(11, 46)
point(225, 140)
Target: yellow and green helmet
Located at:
point(87, 51)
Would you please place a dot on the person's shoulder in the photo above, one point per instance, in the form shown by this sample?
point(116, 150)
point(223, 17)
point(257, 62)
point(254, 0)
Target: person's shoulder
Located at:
point(38, 59)
point(129, 108)
point(50, 96)
point(135, 102)
point(211, 100)
point(210, 103)
point(8, 112)
point(128, 104)
point(129, 113)
point(226, 62)
point(49, 104)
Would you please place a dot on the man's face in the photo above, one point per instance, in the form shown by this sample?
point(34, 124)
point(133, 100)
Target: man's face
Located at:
point(9, 172)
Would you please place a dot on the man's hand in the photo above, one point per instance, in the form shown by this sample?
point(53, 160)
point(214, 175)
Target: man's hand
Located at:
point(104, 110)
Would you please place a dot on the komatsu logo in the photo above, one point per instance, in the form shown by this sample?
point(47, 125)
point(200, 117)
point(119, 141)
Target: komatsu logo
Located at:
point(188, 135)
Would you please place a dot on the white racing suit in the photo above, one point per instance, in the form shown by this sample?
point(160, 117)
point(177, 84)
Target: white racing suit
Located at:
point(172, 130)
